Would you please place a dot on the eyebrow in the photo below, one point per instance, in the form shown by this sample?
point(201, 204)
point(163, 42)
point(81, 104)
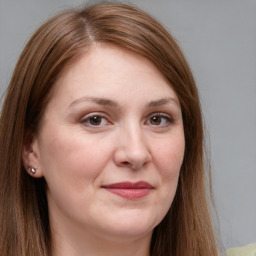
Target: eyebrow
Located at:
point(160, 102)
point(100, 101)
point(111, 103)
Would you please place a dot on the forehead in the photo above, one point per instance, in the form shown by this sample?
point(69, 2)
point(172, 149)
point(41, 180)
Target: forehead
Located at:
point(108, 70)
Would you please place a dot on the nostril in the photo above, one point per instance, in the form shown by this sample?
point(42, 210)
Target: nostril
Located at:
point(126, 163)
point(131, 165)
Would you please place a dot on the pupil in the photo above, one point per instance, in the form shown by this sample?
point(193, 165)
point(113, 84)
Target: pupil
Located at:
point(95, 120)
point(155, 120)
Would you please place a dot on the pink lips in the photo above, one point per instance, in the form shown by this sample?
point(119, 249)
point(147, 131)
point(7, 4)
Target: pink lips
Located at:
point(129, 190)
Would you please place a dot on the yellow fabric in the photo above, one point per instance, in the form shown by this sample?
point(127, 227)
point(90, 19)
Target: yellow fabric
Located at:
point(249, 250)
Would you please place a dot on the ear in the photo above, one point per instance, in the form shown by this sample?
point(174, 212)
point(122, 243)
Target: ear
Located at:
point(30, 157)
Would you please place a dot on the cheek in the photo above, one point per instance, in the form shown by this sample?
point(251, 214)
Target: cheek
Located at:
point(169, 157)
point(71, 165)
point(71, 159)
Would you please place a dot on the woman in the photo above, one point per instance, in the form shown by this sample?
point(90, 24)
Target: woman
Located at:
point(102, 142)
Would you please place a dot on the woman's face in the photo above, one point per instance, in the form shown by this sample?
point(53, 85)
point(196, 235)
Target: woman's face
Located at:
point(110, 146)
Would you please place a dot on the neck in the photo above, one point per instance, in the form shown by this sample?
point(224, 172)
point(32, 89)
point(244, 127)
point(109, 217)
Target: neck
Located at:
point(76, 242)
point(98, 246)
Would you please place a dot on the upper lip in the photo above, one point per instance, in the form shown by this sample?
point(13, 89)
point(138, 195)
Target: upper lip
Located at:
point(129, 185)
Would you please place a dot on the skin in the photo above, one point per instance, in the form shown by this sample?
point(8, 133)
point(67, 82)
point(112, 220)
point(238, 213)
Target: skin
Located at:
point(112, 118)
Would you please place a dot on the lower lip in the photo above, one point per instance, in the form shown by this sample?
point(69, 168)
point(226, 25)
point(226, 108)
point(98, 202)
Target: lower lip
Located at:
point(130, 193)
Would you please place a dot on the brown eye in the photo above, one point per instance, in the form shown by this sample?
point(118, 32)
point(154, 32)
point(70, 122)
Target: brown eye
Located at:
point(160, 120)
point(155, 120)
point(95, 120)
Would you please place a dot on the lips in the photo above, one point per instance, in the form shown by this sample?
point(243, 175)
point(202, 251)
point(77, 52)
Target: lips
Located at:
point(130, 190)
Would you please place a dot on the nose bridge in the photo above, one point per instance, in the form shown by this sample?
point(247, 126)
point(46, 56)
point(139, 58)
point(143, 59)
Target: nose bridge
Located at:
point(135, 139)
point(133, 148)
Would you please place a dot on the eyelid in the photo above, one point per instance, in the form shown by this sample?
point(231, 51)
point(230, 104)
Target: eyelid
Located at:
point(168, 117)
point(161, 114)
point(87, 117)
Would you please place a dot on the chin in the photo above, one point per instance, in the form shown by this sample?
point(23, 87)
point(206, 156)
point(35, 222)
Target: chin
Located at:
point(132, 226)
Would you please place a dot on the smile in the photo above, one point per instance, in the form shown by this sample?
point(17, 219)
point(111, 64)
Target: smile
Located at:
point(129, 190)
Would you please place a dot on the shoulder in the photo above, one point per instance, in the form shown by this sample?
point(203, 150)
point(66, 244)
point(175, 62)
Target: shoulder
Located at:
point(249, 250)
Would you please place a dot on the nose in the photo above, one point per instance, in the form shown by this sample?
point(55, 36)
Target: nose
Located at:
point(132, 150)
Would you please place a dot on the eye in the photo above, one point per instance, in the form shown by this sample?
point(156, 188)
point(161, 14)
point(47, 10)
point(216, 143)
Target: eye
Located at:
point(160, 119)
point(95, 120)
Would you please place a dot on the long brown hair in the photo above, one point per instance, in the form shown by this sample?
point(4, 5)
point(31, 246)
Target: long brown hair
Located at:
point(24, 223)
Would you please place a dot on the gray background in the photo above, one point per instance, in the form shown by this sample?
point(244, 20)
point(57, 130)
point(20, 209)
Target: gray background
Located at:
point(219, 40)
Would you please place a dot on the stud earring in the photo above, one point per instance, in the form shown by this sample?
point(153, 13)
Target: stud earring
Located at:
point(32, 170)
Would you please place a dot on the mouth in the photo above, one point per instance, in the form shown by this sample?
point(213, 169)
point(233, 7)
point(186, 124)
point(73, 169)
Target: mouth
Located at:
point(129, 190)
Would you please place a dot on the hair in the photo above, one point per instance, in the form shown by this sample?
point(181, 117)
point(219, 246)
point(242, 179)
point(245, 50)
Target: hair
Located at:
point(24, 221)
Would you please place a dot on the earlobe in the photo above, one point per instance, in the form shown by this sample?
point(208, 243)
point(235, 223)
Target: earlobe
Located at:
point(32, 170)
point(31, 159)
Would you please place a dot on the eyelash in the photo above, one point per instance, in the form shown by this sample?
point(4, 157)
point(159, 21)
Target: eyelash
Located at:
point(168, 119)
point(88, 119)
